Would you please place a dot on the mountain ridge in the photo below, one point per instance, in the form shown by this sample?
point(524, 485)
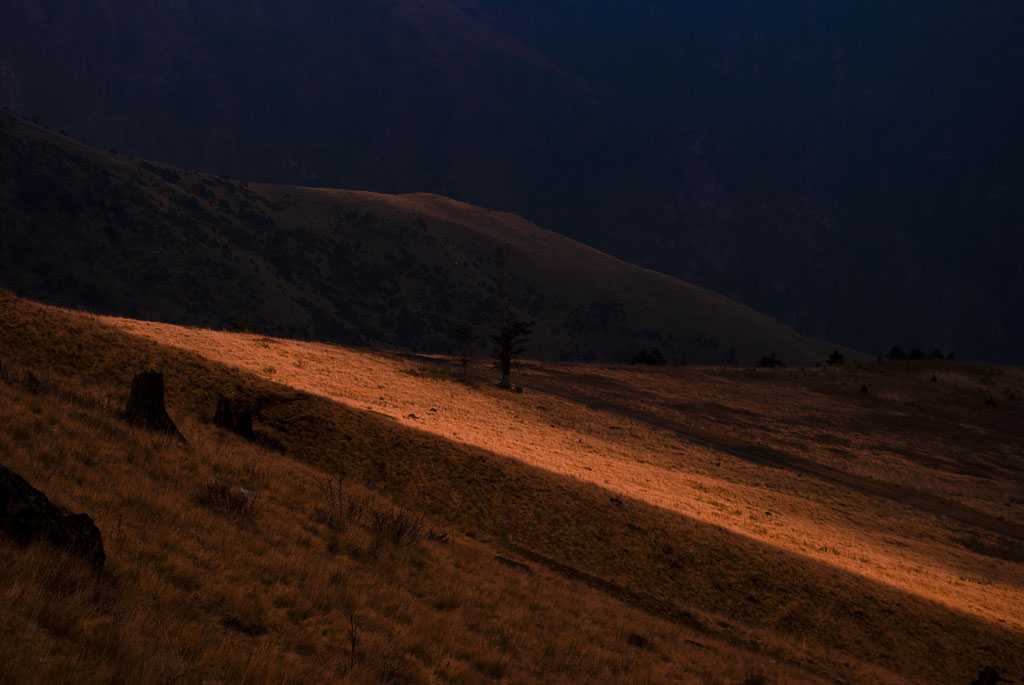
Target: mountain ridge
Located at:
point(97, 229)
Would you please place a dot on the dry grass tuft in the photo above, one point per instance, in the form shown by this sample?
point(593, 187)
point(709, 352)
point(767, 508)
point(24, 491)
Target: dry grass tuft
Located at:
point(336, 510)
point(396, 527)
point(230, 499)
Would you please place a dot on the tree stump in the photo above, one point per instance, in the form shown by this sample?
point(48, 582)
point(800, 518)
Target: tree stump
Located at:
point(235, 414)
point(146, 405)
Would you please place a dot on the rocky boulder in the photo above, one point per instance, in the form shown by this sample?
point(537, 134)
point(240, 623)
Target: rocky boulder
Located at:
point(27, 515)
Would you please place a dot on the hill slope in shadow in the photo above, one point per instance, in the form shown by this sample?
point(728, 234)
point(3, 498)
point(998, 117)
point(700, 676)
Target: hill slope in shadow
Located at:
point(91, 228)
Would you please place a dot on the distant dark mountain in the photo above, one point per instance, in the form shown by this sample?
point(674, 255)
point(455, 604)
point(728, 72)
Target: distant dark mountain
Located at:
point(90, 228)
point(855, 169)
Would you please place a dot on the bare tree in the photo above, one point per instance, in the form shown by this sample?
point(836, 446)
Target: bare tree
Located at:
point(465, 335)
point(511, 342)
point(512, 338)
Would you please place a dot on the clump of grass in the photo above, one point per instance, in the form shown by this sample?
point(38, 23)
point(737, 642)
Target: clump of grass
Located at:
point(436, 373)
point(394, 666)
point(230, 499)
point(395, 527)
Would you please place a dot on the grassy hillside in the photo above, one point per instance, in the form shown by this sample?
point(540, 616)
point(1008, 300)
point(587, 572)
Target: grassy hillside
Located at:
point(86, 227)
point(705, 525)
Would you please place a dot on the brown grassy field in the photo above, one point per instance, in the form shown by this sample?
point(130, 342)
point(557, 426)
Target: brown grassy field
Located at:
point(681, 524)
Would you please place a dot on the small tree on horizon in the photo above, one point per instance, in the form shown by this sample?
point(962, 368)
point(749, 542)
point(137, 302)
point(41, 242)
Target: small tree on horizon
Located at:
point(651, 357)
point(836, 358)
point(770, 362)
point(897, 353)
point(465, 335)
point(514, 334)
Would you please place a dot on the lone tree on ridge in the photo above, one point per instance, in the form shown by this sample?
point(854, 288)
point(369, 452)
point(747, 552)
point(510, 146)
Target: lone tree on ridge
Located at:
point(465, 335)
point(512, 338)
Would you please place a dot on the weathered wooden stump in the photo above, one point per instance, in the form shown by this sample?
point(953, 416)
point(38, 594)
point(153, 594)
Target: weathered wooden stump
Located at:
point(235, 414)
point(146, 405)
point(27, 515)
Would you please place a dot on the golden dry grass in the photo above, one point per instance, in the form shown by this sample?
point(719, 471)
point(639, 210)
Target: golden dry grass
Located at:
point(197, 593)
point(840, 583)
point(816, 413)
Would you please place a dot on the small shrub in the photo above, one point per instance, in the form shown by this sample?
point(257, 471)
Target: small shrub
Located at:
point(332, 513)
point(434, 373)
point(393, 666)
point(651, 357)
point(836, 358)
point(770, 362)
point(395, 527)
point(243, 626)
point(897, 353)
point(637, 640)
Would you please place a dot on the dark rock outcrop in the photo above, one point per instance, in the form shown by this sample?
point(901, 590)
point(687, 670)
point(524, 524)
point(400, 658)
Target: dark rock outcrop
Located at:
point(235, 414)
point(146, 405)
point(27, 515)
point(989, 676)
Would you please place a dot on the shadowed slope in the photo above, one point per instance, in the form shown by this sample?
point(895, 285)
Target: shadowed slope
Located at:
point(85, 227)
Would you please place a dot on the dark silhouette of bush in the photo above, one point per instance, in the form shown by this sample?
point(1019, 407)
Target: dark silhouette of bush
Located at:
point(897, 353)
point(836, 358)
point(770, 362)
point(915, 354)
point(650, 357)
point(936, 354)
